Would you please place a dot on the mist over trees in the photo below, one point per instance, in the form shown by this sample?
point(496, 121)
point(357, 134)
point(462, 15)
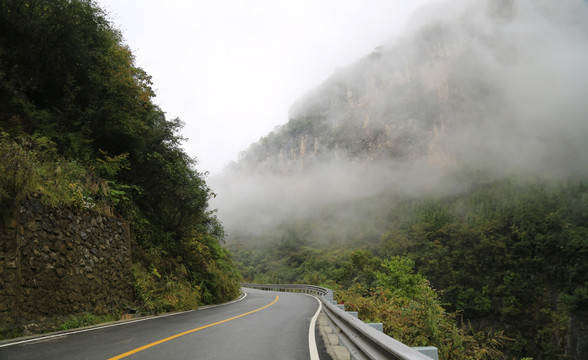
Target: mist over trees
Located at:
point(460, 146)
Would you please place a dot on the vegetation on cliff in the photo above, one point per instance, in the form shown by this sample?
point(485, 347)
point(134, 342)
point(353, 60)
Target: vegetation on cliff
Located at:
point(79, 128)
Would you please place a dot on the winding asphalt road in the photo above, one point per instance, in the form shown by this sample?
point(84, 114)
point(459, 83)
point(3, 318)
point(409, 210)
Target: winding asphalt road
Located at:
point(263, 325)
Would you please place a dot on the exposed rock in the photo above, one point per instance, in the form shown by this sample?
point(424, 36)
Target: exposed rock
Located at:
point(63, 262)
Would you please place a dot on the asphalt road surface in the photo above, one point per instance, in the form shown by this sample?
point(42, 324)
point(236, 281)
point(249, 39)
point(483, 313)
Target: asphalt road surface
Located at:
point(263, 325)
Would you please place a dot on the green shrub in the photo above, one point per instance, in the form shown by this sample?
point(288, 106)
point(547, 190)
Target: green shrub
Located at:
point(412, 313)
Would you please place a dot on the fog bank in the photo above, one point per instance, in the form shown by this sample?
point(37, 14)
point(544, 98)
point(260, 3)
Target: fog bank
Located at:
point(494, 88)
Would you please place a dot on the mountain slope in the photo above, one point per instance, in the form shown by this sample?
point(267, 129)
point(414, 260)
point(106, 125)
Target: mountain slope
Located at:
point(486, 80)
point(78, 128)
point(461, 146)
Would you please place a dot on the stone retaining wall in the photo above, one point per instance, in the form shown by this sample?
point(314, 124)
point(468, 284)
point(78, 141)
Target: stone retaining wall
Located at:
point(58, 261)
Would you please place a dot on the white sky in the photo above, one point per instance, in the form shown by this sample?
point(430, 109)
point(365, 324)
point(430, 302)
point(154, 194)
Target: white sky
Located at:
point(230, 69)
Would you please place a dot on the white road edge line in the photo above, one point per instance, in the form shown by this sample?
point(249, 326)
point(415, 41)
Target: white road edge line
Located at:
point(42, 338)
point(314, 355)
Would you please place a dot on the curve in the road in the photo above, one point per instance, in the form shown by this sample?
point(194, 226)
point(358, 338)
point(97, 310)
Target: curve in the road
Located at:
point(155, 343)
point(282, 330)
point(118, 323)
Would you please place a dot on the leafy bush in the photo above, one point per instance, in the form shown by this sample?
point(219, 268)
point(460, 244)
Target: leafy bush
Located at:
point(412, 314)
point(30, 165)
point(157, 294)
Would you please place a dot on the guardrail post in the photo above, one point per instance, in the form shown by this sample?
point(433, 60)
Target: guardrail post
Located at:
point(377, 326)
point(429, 351)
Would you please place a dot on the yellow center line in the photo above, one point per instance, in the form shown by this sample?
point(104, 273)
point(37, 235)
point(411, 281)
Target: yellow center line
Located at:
point(134, 351)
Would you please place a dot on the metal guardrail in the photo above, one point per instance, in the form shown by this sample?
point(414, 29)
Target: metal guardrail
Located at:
point(362, 340)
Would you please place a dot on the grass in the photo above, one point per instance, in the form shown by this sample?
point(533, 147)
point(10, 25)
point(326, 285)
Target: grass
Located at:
point(59, 323)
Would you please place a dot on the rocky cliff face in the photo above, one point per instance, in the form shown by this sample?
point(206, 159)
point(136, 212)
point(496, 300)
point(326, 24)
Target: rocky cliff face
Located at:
point(494, 88)
point(60, 262)
point(393, 104)
point(474, 81)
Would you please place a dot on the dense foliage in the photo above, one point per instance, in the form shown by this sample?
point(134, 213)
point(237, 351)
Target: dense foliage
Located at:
point(500, 267)
point(506, 254)
point(79, 128)
point(387, 291)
